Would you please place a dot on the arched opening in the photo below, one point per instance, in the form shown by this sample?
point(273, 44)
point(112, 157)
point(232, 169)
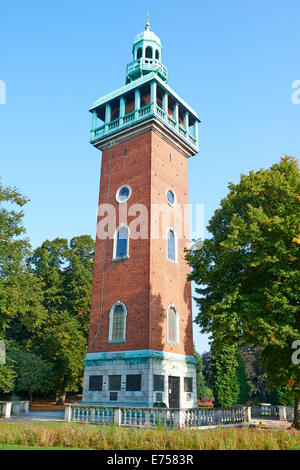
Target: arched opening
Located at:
point(117, 322)
point(157, 54)
point(149, 52)
point(172, 325)
point(139, 53)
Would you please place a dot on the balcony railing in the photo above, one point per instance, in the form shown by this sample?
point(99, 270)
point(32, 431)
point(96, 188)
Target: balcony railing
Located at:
point(140, 114)
point(147, 64)
point(136, 416)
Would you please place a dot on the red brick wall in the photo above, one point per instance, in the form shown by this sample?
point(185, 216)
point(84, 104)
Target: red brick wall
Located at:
point(168, 279)
point(146, 283)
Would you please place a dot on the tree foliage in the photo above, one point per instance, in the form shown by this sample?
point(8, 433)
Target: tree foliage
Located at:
point(203, 391)
point(248, 271)
point(32, 373)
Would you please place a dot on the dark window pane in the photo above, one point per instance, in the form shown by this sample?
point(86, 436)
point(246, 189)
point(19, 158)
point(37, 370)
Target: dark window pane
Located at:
point(122, 242)
point(172, 325)
point(133, 382)
point(118, 323)
point(149, 52)
point(95, 383)
point(159, 383)
point(188, 384)
point(123, 194)
point(171, 197)
point(113, 396)
point(171, 245)
point(114, 382)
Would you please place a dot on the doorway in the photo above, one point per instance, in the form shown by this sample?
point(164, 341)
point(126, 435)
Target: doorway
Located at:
point(174, 383)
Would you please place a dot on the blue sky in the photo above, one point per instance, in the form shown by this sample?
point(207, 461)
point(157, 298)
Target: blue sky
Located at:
point(234, 62)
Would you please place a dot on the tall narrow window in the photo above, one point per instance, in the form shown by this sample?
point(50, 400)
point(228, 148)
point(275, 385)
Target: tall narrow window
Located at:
point(172, 325)
point(121, 242)
point(117, 323)
point(171, 245)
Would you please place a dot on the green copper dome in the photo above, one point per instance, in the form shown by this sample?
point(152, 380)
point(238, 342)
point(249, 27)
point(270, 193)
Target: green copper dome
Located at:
point(146, 53)
point(147, 35)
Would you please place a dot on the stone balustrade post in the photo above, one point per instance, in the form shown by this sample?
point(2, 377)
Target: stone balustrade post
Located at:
point(247, 414)
point(118, 416)
point(179, 418)
point(6, 409)
point(282, 413)
point(68, 413)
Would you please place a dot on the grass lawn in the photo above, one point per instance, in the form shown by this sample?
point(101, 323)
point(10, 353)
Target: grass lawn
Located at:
point(84, 436)
point(16, 447)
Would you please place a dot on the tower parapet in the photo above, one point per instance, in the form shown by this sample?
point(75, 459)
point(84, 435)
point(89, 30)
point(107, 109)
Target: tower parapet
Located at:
point(145, 99)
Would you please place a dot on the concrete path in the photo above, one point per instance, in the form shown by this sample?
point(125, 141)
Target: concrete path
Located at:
point(37, 416)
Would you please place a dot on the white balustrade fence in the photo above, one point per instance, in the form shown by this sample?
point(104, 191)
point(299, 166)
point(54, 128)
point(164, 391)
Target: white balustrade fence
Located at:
point(131, 416)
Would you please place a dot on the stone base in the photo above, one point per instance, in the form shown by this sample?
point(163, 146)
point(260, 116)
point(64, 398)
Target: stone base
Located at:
point(147, 363)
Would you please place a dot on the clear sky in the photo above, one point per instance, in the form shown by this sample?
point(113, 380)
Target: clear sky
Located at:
point(233, 61)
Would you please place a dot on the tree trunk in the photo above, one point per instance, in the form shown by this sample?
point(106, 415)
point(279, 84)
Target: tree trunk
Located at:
point(296, 422)
point(30, 398)
point(60, 398)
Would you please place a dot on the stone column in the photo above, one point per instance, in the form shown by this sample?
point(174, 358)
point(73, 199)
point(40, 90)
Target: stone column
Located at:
point(195, 130)
point(180, 418)
point(94, 124)
point(118, 416)
point(6, 409)
point(137, 102)
point(122, 109)
point(165, 105)
point(68, 413)
point(248, 414)
point(107, 116)
point(176, 116)
point(186, 123)
point(153, 95)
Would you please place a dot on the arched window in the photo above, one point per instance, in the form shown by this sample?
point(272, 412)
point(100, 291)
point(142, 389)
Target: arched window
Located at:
point(117, 323)
point(149, 52)
point(139, 53)
point(171, 245)
point(121, 242)
point(172, 325)
point(157, 54)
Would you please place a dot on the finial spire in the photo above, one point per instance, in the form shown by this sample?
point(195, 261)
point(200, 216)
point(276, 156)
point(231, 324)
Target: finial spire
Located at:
point(148, 22)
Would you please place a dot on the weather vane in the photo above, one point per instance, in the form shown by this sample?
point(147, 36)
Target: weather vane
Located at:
point(148, 23)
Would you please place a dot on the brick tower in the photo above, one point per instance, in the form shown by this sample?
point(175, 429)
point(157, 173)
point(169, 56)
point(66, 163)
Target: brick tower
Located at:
point(141, 339)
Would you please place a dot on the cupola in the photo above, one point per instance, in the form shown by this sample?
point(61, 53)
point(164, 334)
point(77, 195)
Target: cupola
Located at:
point(146, 53)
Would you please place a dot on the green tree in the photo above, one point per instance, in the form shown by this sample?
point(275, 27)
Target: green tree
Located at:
point(202, 389)
point(20, 292)
point(65, 345)
point(32, 373)
point(7, 377)
point(244, 387)
point(248, 271)
point(225, 381)
point(66, 271)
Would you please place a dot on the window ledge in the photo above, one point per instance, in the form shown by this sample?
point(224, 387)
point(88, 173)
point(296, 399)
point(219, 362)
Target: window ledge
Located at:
point(175, 343)
point(121, 258)
point(116, 341)
point(174, 261)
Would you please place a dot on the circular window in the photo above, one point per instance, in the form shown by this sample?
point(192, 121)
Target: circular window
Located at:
point(171, 197)
point(123, 193)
